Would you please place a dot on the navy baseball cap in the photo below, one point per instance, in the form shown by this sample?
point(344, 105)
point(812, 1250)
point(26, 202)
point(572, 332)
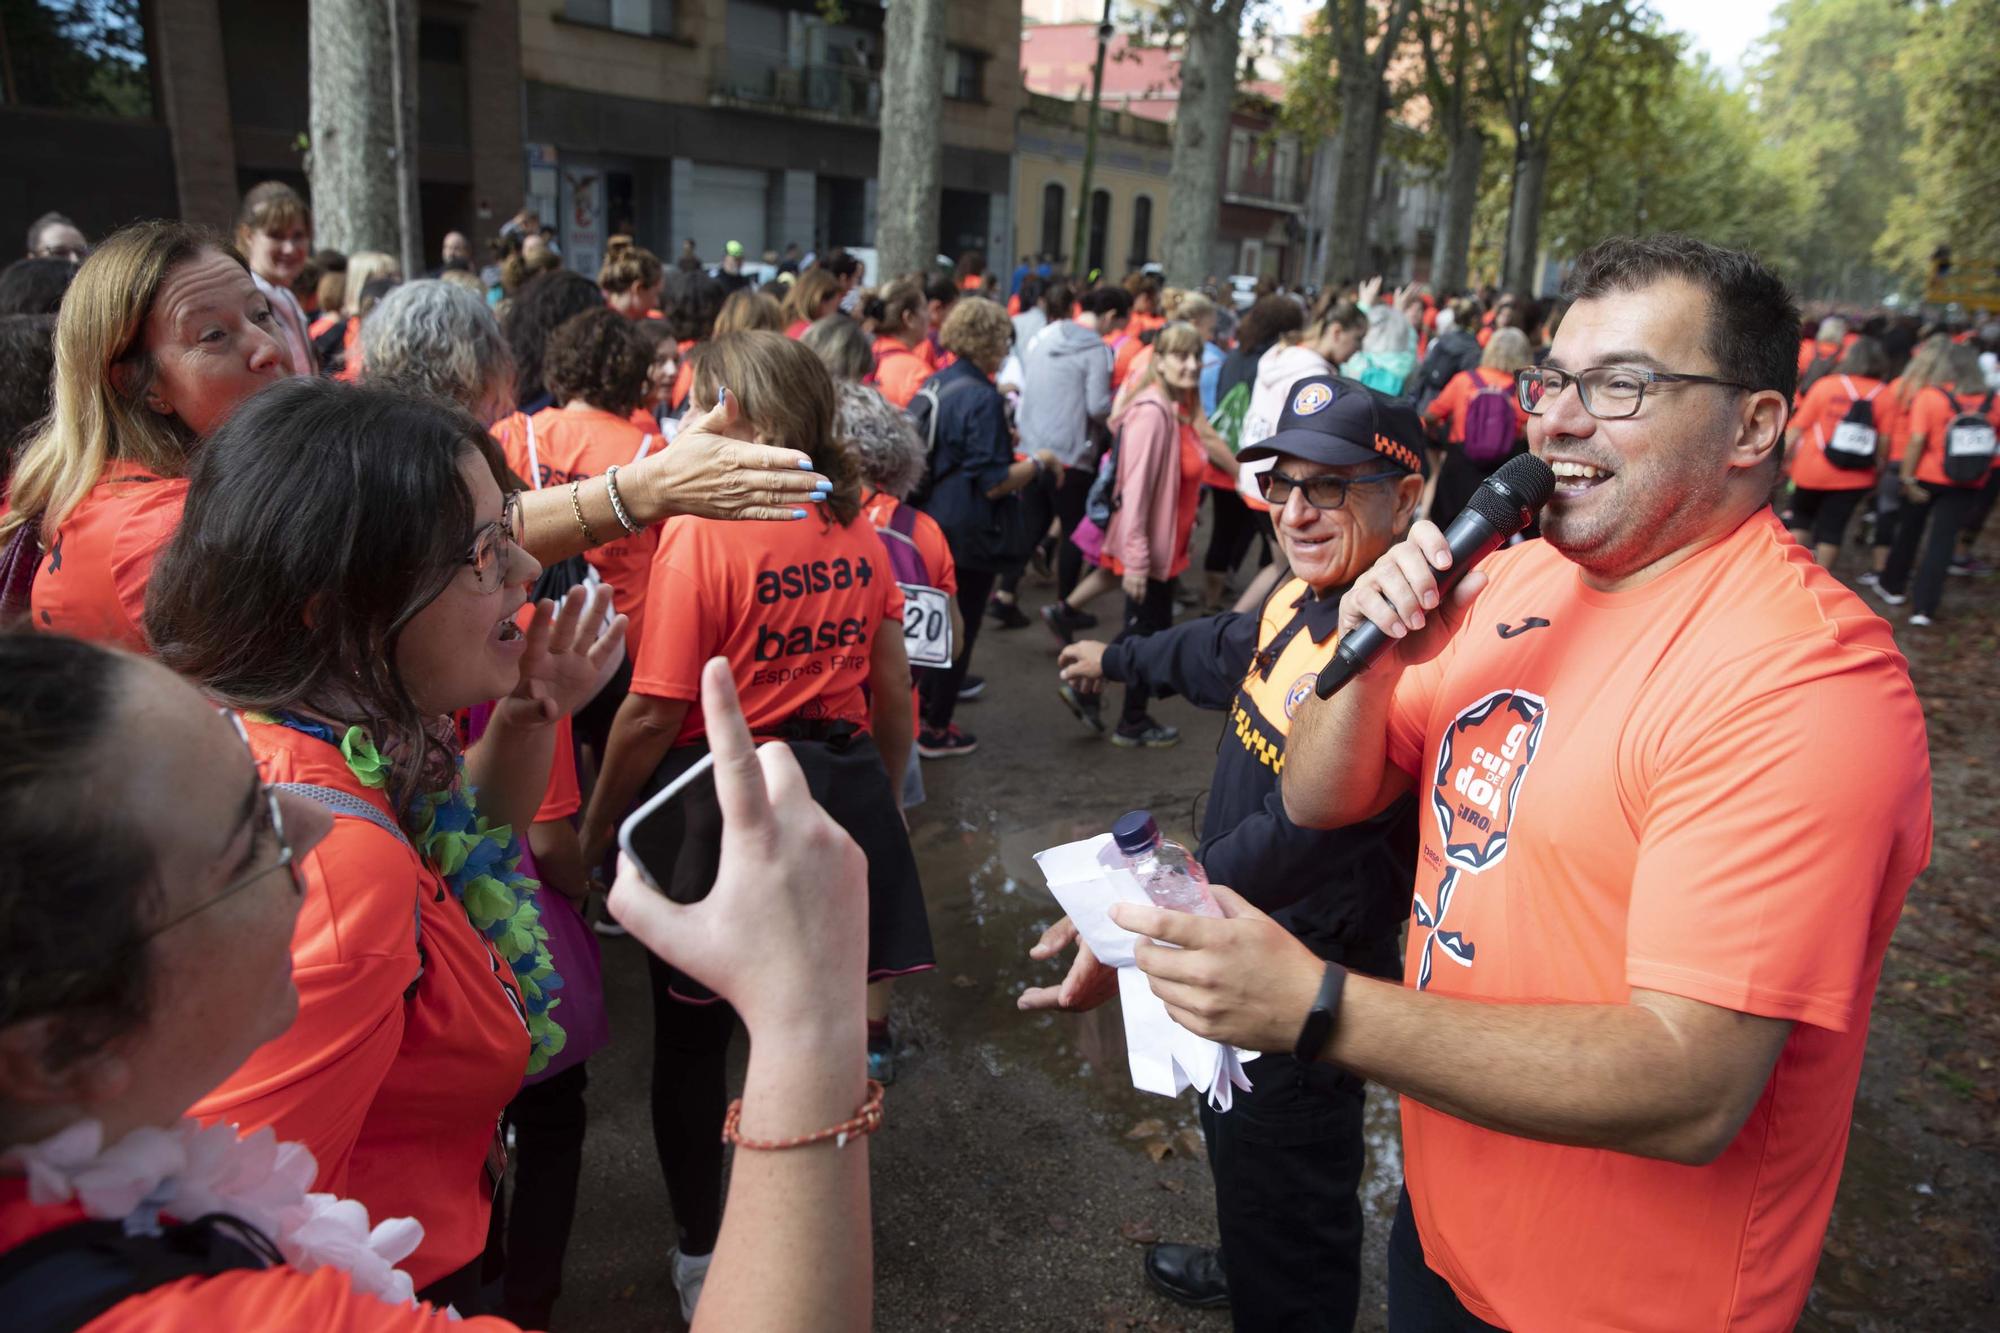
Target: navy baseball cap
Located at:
point(1337, 421)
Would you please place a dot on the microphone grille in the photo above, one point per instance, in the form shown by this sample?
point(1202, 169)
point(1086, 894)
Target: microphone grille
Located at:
point(1509, 498)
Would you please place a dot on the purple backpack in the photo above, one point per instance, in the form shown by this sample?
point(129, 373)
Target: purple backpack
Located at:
point(904, 558)
point(1489, 423)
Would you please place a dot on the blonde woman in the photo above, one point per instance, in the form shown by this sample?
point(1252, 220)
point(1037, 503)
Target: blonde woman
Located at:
point(339, 347)
point(813, 297)
point(748, 311)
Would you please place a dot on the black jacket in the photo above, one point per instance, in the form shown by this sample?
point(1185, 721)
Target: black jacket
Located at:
point(1457, 350)
point(1344, 892)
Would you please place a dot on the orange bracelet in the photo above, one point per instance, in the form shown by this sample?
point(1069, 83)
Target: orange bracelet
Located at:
point(866, 1121)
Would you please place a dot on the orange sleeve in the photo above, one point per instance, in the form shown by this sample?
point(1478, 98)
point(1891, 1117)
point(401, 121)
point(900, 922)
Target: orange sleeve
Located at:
point(937, 553)
point(141, 538)
point(1765, 844)
point(354, 953)
point(563, 796)
point(669, 665)
point(1448, 399)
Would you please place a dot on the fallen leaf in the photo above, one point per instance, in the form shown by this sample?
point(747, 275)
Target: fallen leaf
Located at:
point(1139, 1233)
point(1173, 1186)
point(963, 982)
point(1158, 1150)
point(1146, 1129)
point(1191, 1144)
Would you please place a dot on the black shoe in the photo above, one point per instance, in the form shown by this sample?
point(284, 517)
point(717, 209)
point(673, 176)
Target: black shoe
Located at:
point(1149, 735)
point(1059, 619)
point(1087, 707)
point(1008, 615)
point(1190, 1274)
point(947, 744)
point(971, 688)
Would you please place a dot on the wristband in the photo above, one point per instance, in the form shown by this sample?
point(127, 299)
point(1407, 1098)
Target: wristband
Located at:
point(1318, 1027)
point(618, 505)
point(866, 1121)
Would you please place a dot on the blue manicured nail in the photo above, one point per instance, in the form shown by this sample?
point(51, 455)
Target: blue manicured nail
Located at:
point(798, 513)
point(806, 463)
point(823, 491)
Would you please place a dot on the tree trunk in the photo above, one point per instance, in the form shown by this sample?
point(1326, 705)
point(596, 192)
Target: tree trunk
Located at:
point(1201, 129)
point(353, 166)
point(1453, 242)
point(1349, 255)
point(908, 170)
point(1524, 219)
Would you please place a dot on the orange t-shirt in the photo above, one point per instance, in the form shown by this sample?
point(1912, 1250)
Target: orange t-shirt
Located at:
point(1458, 394)
point(1892, 416)
point(795, 607)
point(1715, 785)
point(931, 544)
point(899, 372)
point(410, 1038)
point(1811, 351)
point(92, 583)
point(1931, 414)
point(1825, 407)
point(684, 376)
point(570, 444)
point(325, 1301)
point(1130, 356)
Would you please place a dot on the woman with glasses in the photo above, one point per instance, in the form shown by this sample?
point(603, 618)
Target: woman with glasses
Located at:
point(299, 590)
point(1164, 448)
point(153, 888)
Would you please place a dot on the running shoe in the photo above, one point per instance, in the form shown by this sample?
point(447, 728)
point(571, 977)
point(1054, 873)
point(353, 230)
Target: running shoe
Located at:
point(1089, 708)
point(882, 1058)
point(1007, 615)
point(1150, 735)
point(1871, 581)
point(971, 688)
point(1064, 623)
point(1920, 621)
point(1892, 598)
point(689, 1272)
point(947, 744)
point(1970, 567)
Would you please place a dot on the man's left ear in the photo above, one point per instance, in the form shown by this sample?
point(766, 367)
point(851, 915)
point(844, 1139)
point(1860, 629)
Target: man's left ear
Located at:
point(1761, 429)
point(1409, 494)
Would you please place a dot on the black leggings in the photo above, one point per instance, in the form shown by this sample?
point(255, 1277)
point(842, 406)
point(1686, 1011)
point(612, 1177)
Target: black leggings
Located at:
point(1942, 514)
point(530, 1232)
point(1148, 617)
point(939, 689)
point(690, 1097)
point(1237, 526)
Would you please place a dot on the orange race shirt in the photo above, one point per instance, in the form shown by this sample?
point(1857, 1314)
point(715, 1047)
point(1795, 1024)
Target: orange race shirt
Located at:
point(272, 1298)
point(1453, 402)
point(1715, 785)
point(899, 372)
point(1825, 407)
point(795, 607)
point(1931, 412)
point(92, 580)
point(572, 444)
point(410, 1038)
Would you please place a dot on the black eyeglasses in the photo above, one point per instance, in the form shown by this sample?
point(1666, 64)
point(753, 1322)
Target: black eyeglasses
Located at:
point(490, 549)
point(284, 861)
point(1609, 393)
point(1328, 491)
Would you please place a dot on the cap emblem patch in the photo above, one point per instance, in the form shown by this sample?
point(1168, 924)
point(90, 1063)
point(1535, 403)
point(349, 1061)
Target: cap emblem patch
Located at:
point(1311, 399)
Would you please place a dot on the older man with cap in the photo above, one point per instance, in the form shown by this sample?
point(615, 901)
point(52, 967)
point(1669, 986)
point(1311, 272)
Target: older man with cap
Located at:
point(1343, 487)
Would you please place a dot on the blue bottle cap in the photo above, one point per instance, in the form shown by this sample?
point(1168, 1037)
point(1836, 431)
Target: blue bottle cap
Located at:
point(1136, 833)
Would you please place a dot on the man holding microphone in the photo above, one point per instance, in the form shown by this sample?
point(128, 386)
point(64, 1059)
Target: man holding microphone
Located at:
point(1674, 787)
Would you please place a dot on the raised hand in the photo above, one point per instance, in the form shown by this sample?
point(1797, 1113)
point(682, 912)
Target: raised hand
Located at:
point(1088, 983)
point(573, 651)
point(711, 473)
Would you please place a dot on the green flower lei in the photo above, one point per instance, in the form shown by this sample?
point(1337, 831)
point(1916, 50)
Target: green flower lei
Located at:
point(480, 863)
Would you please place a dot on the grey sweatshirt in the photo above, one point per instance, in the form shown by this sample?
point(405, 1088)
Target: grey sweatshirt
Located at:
point(1067, 370)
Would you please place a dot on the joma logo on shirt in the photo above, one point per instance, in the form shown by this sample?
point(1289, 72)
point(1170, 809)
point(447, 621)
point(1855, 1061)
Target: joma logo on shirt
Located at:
point(1482, 761)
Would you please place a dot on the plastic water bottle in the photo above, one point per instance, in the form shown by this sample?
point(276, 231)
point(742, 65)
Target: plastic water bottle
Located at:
point(1167, 871)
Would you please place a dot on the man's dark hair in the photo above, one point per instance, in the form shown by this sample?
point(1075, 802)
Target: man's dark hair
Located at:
point(1031, 292)
point(27, 370)
point(544, 303)
point(1056, 299)
point(1753, 318)
point(1107, 300)
point(598, 356)
point(34, 286)
point(940, 288)
point(694, 299)
point(842, 265)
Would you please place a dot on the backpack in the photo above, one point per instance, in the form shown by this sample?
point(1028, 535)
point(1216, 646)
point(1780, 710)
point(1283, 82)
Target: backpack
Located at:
point(923, 413)
point(1103, 500)
point(1382, 378)
point(1969, 442)
point(927, 637)
point(64, 1279)
point(1490, 427)
point(1816, 370)
point(1852, 443)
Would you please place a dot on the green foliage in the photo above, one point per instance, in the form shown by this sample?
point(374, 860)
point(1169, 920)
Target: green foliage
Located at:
point(1951, 194)
point(1829, 98)
point(75, 55)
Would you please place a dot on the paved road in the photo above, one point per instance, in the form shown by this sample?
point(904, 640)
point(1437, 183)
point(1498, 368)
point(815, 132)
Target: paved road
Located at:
point(1005, 1182)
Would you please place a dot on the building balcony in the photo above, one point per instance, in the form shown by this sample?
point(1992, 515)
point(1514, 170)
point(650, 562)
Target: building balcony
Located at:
point(770, 81)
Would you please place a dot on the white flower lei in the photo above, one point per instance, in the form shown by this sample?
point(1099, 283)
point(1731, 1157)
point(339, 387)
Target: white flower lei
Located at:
point(188, 1172)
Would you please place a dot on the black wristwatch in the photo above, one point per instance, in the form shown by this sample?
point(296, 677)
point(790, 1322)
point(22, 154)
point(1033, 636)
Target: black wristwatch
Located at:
point(1318, 1027)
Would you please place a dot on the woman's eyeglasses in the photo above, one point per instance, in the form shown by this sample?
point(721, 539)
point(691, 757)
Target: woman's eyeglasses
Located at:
point(494, 544)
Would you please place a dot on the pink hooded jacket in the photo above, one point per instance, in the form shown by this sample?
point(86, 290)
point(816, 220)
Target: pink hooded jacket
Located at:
point(1145, 529)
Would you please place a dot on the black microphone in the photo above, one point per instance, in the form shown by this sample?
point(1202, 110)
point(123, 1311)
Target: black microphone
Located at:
point(1504, 504)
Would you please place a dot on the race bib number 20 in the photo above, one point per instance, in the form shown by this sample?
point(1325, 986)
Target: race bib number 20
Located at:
point(926, 625)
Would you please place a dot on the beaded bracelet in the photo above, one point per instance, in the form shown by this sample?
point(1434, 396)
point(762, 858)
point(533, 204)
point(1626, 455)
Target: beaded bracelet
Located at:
point(866, 1121)
point(618, 505)
point(576, 507)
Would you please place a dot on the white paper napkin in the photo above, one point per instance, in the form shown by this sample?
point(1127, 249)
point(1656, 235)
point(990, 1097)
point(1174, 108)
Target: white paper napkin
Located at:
point(1086, 878)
